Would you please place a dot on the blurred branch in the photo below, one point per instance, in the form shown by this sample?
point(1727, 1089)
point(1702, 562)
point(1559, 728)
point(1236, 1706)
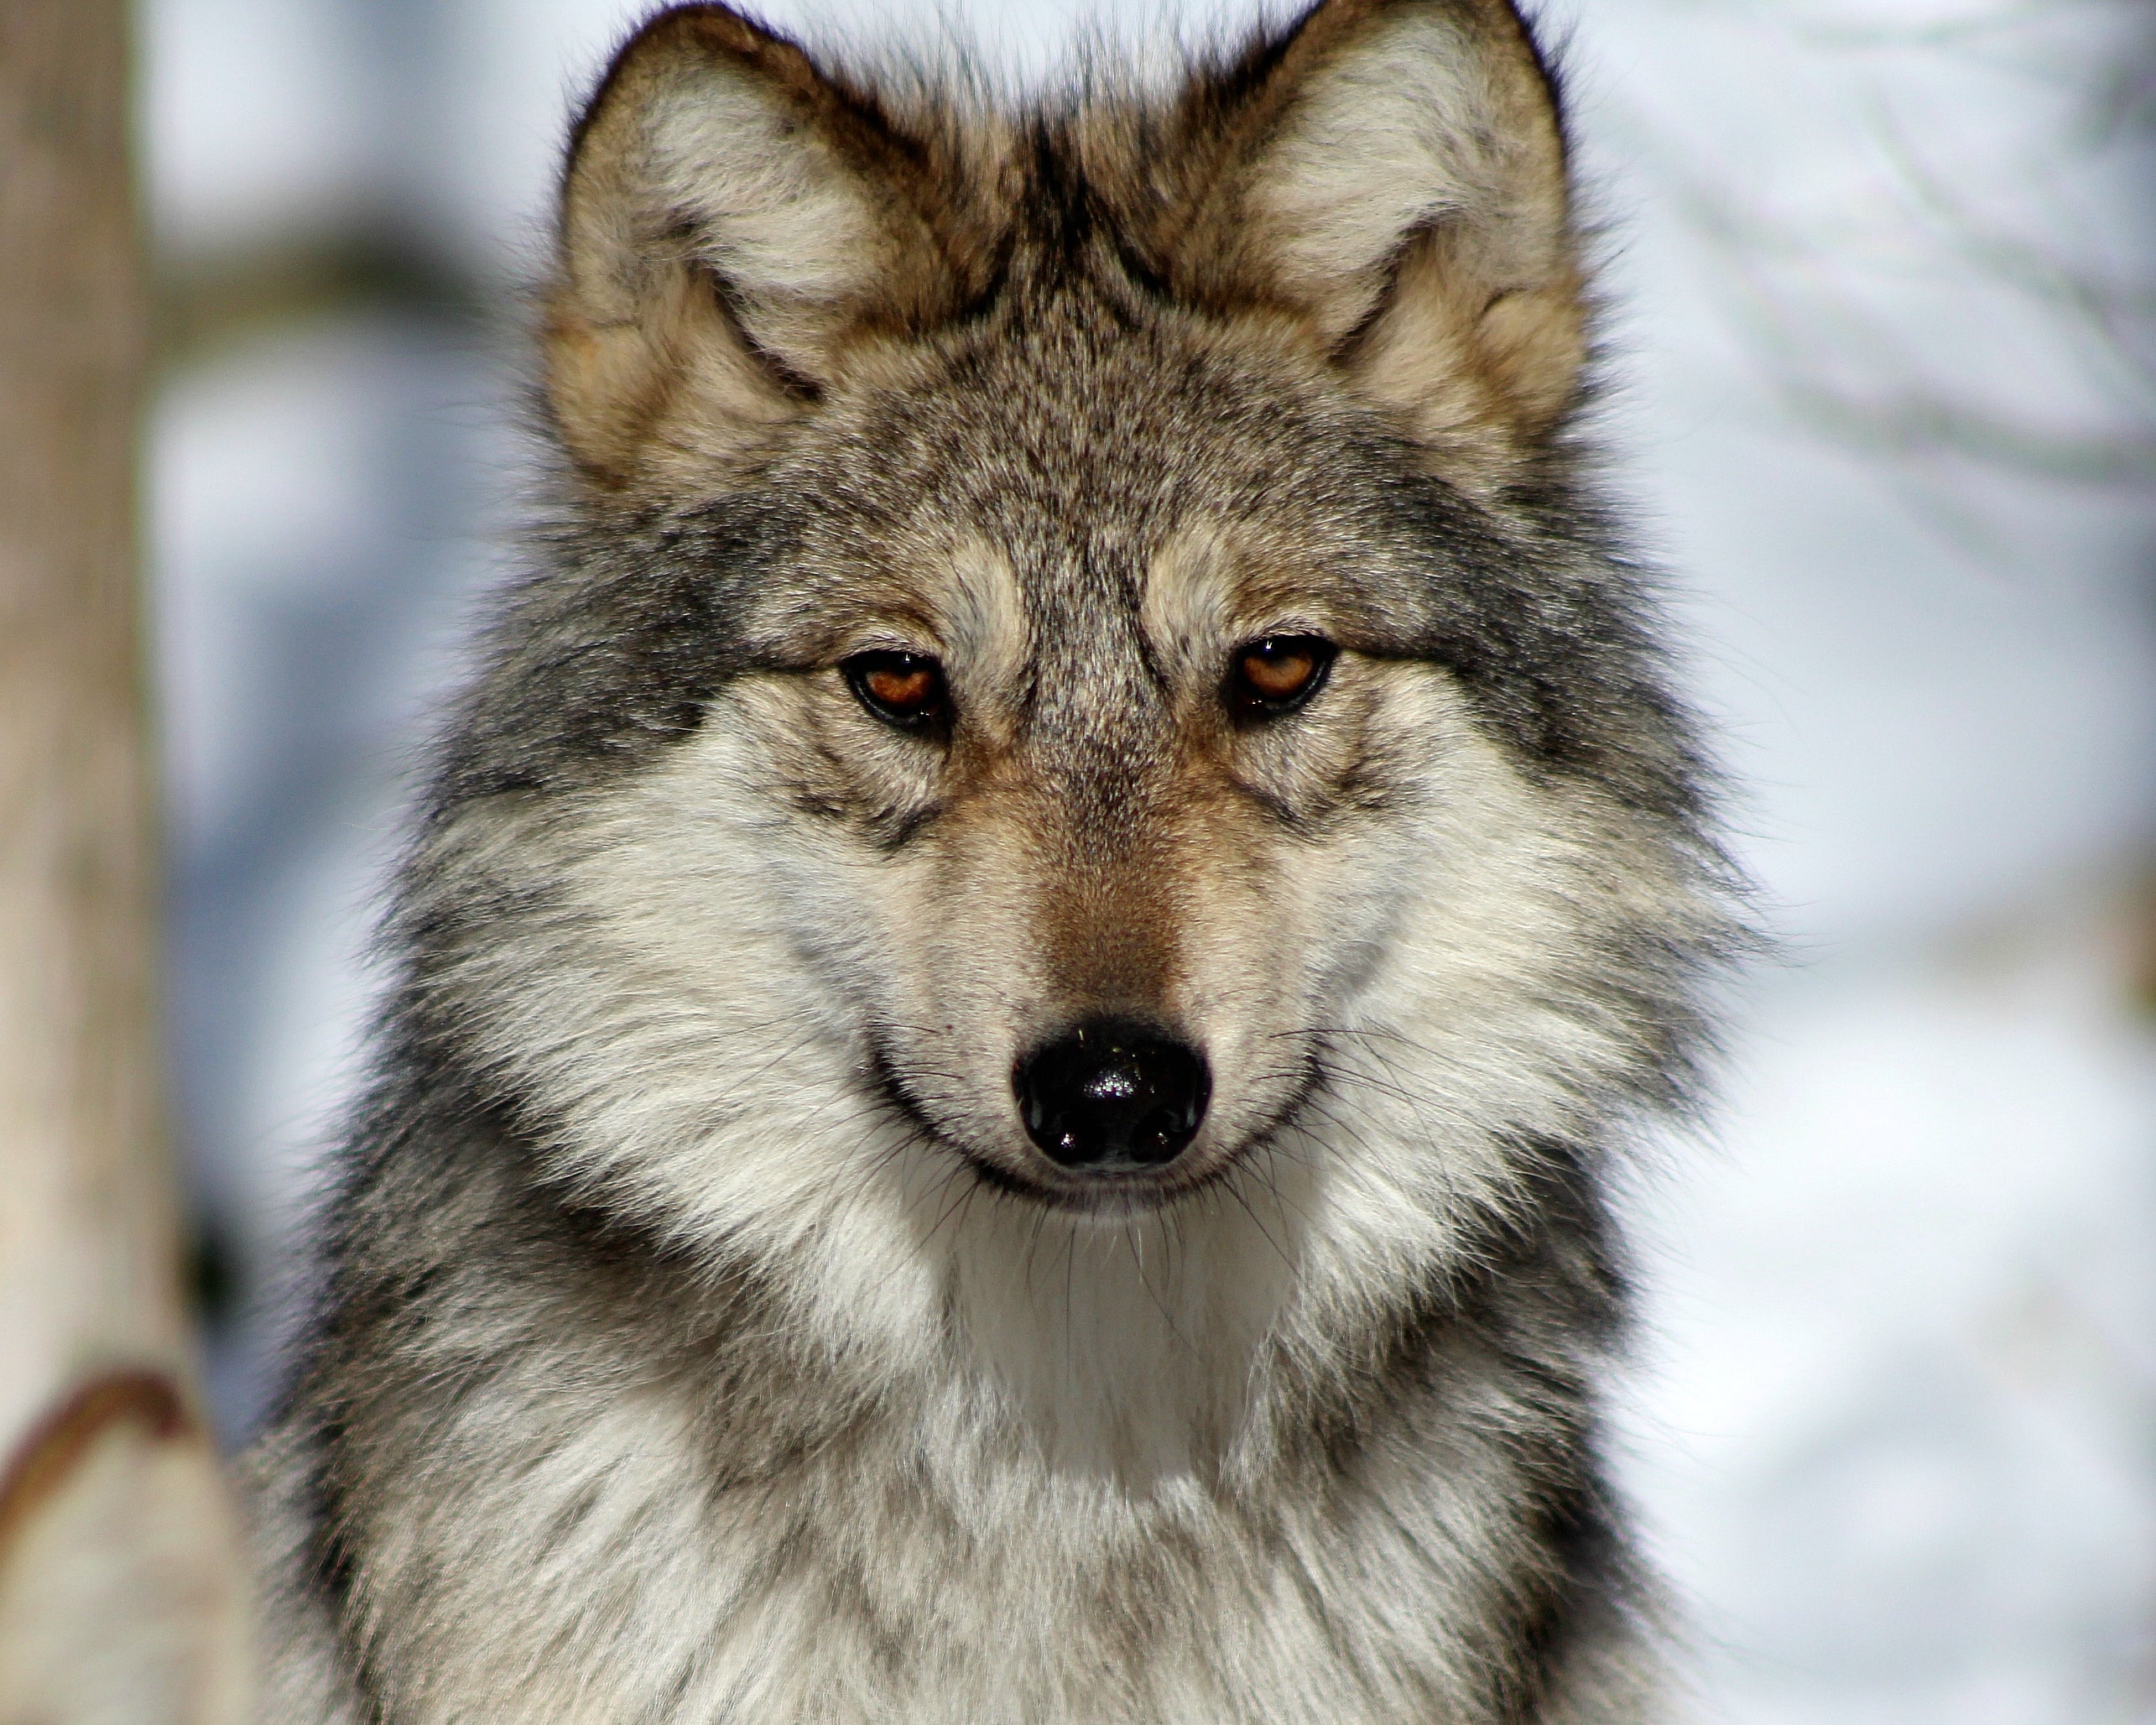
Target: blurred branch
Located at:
point(208, 301)
point(1984, 26)
point(2120, 309)
point(1819, 298)
point(1920, 425)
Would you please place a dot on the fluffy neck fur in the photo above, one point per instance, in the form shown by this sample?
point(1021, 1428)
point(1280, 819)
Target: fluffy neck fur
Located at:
point(701, 1513)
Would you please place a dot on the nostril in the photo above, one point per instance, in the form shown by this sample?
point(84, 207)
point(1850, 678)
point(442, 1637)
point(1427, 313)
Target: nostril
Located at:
point(1111, 1094)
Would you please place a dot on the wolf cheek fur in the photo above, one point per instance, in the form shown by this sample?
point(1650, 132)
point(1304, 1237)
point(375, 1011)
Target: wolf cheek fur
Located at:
point(1117, 569)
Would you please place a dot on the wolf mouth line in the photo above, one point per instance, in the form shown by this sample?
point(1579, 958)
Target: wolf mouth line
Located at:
point(1117, 1192)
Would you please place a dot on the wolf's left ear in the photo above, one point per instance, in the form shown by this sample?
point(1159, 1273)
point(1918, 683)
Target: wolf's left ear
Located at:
point(734, 225)
point(1395, 171)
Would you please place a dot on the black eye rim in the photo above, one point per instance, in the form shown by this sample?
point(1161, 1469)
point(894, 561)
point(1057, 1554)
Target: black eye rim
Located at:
point(1250, 704)
point(932, 720)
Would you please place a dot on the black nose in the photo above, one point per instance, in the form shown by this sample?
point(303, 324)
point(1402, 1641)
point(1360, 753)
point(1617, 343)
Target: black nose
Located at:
point(1111, 1094)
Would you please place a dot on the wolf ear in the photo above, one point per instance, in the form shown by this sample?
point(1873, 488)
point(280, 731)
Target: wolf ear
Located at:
point(730, 221)
point(1395, 171)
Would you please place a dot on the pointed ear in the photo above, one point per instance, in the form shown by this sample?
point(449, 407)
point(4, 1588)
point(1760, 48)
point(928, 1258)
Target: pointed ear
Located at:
point(732, 222)
point(1396, 172)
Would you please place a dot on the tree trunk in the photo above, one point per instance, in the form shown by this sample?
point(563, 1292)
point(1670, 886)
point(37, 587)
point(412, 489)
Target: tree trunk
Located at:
point(120, 1597)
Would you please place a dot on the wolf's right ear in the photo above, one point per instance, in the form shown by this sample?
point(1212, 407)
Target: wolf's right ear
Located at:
point(1395, 171)
point(731, 220)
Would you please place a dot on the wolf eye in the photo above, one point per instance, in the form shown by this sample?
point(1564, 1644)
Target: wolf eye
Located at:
point(1278, 675)
point(902, 689)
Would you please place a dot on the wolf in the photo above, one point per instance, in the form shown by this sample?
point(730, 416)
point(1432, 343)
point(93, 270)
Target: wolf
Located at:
point(1025, 964)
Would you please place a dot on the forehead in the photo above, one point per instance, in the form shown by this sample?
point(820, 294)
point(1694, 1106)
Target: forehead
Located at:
point(1135, 480)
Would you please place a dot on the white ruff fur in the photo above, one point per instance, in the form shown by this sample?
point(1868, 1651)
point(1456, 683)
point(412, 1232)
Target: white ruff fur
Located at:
point(661, 1015)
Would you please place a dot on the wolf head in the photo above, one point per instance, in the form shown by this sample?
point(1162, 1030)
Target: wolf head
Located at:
point(1075, 685)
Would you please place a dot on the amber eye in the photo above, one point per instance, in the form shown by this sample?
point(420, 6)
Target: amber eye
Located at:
point(902, 689)
point(1278, 675)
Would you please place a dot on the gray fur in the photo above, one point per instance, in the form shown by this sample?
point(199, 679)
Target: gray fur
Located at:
point(700, 1339)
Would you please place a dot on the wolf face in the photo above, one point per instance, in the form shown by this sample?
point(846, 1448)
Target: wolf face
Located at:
point(1081, 812)
point(1083, 511)
point(1073, 683)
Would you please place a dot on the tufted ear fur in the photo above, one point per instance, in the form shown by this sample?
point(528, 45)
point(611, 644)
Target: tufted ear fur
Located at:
point(1394, 170)
point(739, 229)
point(733, 223)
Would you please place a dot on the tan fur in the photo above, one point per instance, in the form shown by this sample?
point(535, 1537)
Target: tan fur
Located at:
point(1400, 179)
point(689, 316)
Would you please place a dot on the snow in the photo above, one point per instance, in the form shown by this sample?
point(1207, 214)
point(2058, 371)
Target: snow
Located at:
point(1894, 1427)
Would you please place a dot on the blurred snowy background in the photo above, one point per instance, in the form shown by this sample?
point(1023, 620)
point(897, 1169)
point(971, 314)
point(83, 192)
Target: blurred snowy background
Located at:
point(1886, 338)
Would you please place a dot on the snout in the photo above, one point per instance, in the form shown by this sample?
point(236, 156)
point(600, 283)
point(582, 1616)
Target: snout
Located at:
point(1112, 1096)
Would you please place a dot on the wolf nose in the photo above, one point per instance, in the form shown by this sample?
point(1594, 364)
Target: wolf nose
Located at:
point(1110, 1096)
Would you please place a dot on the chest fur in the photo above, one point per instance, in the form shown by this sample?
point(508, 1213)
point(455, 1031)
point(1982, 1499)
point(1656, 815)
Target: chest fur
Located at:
point(920, 1571)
